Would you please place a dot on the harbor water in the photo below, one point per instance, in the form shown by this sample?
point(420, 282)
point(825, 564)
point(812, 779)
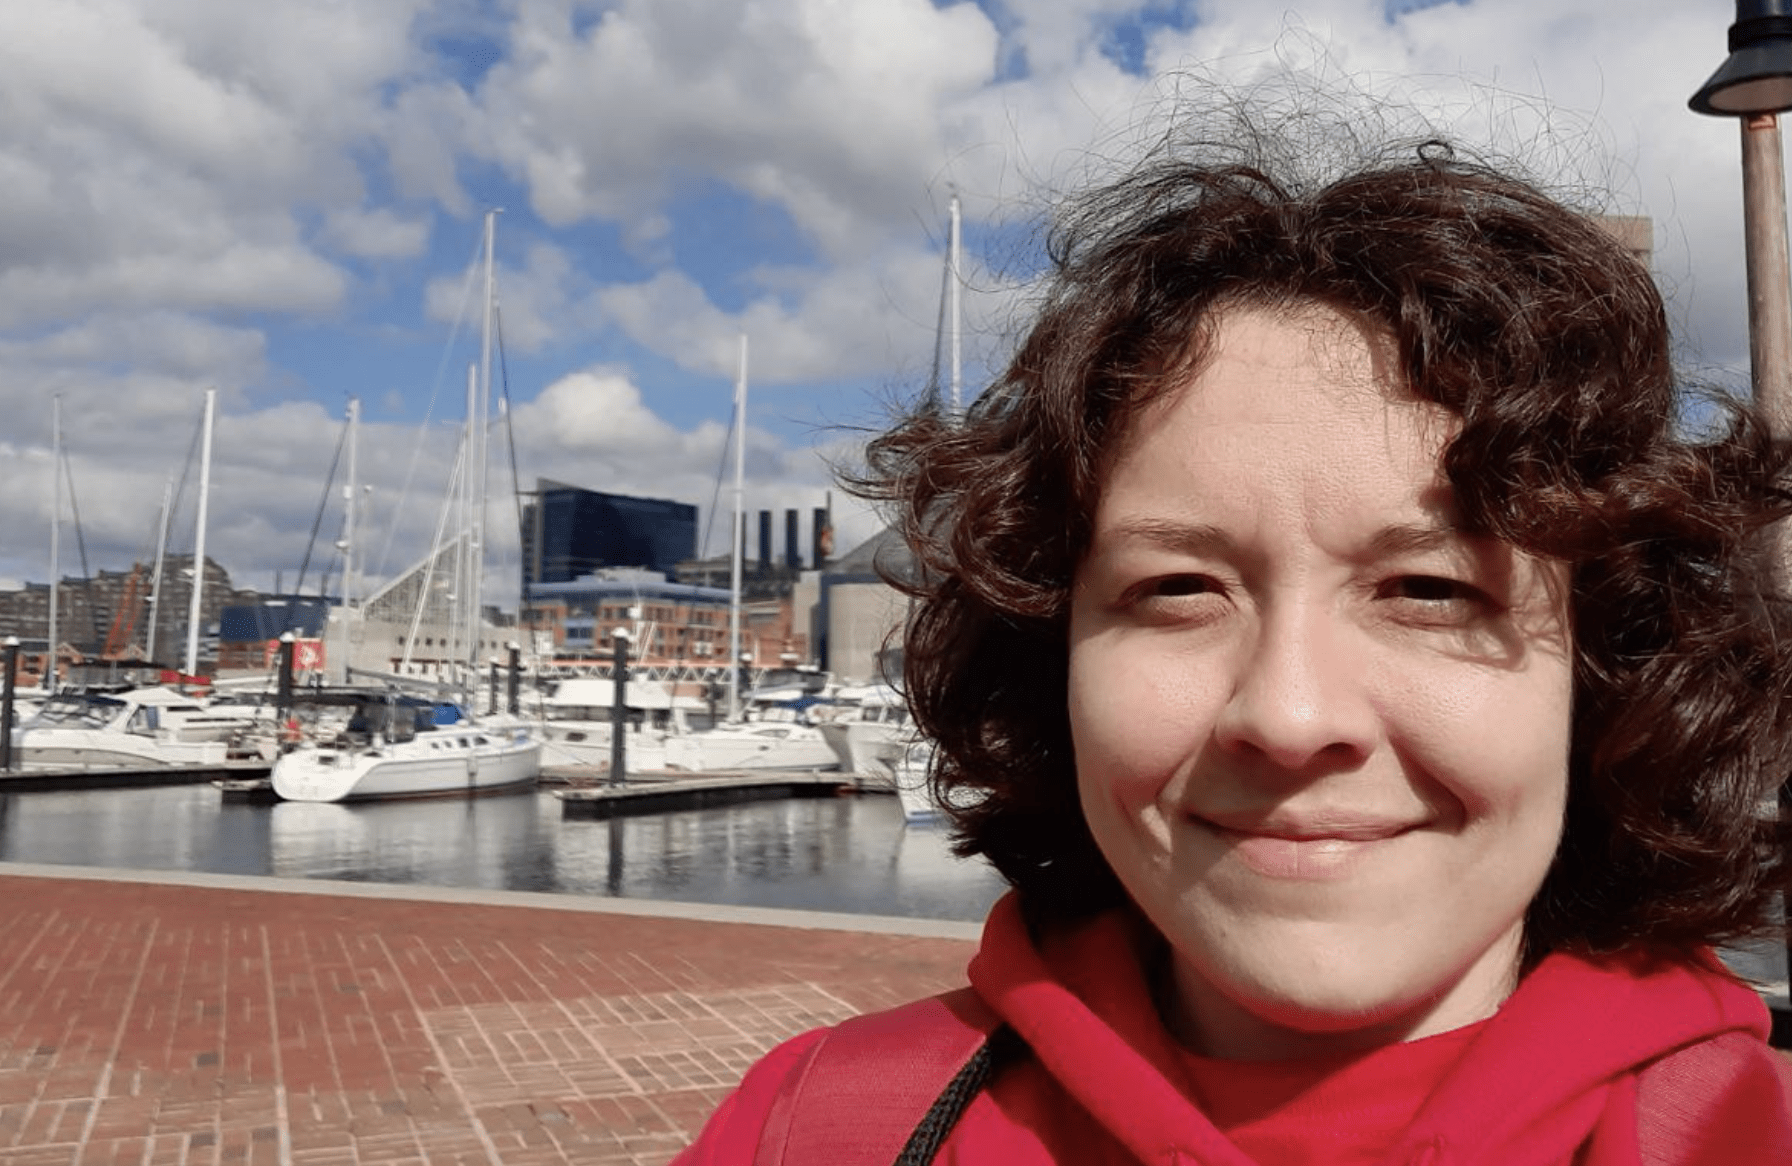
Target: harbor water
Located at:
point(852, 853)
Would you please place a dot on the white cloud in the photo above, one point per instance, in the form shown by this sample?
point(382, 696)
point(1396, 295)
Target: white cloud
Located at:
point(826, 109)
point(841, 324)
point(544, 300)
point(376, 233)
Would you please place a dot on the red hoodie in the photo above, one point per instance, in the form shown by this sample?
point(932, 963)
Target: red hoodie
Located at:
point(1551, 1080)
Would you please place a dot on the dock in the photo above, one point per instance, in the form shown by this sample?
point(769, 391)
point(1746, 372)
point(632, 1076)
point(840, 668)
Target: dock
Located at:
point(107, 777)
point(160, 1019)
point(655, 793)
point(583, 794)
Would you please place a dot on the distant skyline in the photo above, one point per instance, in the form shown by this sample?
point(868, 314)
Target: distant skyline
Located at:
point(282, 200)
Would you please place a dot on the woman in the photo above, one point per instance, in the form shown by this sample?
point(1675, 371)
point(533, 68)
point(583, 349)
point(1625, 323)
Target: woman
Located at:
point(1368, 691)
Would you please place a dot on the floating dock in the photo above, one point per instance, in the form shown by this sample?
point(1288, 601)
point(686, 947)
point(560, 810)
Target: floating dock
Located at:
point(105, 777)
point(648, 792)
point(655, 793)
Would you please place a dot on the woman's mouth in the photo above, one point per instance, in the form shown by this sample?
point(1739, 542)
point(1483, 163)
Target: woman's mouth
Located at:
point(1311, 851)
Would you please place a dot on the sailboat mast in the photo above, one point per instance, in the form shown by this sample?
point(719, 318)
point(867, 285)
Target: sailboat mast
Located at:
point(195, 607)
point(465, 567)
point(739, 529)
point(478, 436)
point(952, 290)
point(349, 581)
point(55, 534)
point(155, 578)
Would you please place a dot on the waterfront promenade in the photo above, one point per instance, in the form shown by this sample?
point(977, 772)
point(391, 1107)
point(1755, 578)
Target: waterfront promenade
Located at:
point(152, 1019)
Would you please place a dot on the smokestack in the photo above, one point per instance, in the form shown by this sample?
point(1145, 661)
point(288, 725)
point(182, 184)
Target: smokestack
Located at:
point(765, 540)
point(823, 535)
point(793, 553)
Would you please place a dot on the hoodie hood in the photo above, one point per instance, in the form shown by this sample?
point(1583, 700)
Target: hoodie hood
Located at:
point(1552, 1072)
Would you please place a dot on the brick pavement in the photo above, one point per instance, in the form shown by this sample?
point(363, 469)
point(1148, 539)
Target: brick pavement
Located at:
point(155, 1024)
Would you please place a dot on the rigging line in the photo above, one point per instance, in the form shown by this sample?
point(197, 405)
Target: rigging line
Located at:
point(316, 525)
point(140, 603)
point(186, 468)
point(461, 453)
point(715, 498)
point(516, 483)
point(74, 510)
point(435, 391)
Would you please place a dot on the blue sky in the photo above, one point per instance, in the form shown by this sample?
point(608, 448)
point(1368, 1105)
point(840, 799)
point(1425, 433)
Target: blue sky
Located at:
point(281, 200)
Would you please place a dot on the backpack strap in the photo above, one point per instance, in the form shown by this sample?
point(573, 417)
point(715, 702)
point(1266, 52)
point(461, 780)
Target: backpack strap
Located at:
point(885, 1087)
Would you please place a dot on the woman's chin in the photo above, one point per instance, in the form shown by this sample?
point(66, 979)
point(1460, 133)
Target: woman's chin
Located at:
point(1280, 1012)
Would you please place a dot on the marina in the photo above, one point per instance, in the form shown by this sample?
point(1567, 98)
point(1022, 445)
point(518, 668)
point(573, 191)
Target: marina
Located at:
point(851, 853)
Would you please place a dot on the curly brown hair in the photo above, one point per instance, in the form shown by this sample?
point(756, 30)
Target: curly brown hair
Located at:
point(1549, 340)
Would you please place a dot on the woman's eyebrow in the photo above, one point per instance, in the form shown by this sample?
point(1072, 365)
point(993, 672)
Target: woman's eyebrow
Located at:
point(1176, 535)
point(1394, 539)
point(1417, 538)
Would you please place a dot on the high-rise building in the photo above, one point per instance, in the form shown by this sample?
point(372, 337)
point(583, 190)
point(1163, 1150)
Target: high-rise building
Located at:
point(570, 532)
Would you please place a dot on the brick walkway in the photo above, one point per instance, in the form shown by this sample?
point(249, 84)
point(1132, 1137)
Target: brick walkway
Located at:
point(155, 1024)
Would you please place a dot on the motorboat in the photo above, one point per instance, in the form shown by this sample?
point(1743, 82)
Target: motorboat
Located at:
point(576, 723)
point(868, 735)
point(140, 728)
point(405, 747)
point(910, 775)
point(773, 736)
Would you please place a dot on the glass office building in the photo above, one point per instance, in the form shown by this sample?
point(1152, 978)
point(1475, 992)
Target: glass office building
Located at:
point(569, 532)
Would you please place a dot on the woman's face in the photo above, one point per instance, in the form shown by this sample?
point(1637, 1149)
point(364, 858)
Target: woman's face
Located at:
point(1321, 734)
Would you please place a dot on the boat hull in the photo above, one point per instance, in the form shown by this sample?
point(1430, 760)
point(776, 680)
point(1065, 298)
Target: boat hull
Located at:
point(433, 765)
point(588, 744)
point(754, 747)
point(78, 749)
point(912, 789)
point(867, 748)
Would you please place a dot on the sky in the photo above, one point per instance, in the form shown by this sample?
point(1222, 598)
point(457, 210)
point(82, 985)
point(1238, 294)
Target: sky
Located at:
point(283, 200)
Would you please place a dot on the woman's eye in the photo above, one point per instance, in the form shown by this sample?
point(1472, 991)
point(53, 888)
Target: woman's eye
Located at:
point(1435, 599)
point(1175, 599)
point(1172, 585)
point(1427, 588)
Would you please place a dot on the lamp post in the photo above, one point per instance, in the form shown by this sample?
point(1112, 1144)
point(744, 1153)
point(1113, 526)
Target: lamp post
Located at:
point(515, 652)
point(1754, 85)
point(9, 661)
point(288, 726)
point(618, 705)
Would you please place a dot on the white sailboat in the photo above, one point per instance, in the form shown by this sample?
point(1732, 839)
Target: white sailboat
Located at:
point(758, 735)
point(397, 747)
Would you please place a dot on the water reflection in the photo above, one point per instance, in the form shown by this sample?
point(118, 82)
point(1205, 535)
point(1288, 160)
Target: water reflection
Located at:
point(850, 854)
point(827, 854)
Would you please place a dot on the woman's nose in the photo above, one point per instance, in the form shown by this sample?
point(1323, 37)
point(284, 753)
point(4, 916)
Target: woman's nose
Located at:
point(1299, 696)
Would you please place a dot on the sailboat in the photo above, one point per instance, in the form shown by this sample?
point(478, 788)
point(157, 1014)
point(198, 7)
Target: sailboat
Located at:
point(777, 736)
point(401, 746)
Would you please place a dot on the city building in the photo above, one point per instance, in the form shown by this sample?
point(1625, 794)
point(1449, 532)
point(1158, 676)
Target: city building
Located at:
point(109, 616)
point(569, 532)
point(858, 617)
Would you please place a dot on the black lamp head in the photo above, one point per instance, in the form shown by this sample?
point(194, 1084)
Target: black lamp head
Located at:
point(1757, 77)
